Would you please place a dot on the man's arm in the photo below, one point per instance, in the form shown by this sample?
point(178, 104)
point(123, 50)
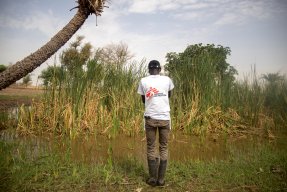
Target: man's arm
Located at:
point(143, 99)
point(169, 94)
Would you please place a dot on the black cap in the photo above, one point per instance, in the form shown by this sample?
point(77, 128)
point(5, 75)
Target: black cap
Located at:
point(154, 64)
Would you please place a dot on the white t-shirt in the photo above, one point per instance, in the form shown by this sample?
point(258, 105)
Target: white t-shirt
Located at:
point(155, 88)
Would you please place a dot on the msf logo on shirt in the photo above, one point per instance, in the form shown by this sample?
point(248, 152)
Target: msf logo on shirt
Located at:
point(151, 92)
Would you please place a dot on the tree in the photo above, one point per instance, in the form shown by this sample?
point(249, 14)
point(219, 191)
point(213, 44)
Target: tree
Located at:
point(27, 80)
point(115, 55)
point(50, 74)
point(199, 57)
point(3, 68)
point(28, 64)
point(201, 71)
point(272, 78)
point(274, 91)
point(76, 56)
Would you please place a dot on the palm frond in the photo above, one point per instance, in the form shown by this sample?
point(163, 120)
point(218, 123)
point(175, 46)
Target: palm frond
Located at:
point(92, 6)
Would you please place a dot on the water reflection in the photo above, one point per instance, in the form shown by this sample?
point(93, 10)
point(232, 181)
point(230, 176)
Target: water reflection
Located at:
point(9, 114)
point(181, 148)
point(13, 112)
point(99, 148)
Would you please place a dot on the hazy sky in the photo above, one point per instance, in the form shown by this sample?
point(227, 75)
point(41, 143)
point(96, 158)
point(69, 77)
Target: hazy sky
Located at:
point(255, 30)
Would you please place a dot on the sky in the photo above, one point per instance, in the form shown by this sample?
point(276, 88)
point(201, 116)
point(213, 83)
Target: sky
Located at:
point(254, 30)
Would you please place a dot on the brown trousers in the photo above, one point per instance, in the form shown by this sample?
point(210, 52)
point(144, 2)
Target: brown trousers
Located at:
point(151, 127)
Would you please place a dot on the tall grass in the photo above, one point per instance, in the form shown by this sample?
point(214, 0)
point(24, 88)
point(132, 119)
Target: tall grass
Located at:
point(204, 102)
point(100, 99)
point(103, 99)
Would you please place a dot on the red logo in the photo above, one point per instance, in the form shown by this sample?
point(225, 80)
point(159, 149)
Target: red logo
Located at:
point(151, 92)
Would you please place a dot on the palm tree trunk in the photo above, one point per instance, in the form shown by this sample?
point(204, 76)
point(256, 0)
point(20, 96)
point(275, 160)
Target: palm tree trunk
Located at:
point(28, 64)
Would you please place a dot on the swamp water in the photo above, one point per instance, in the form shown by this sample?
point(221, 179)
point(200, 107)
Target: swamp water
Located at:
point(182, 148)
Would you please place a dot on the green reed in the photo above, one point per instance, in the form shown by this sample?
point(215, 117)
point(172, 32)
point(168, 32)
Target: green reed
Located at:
point(102, 98)
point(204, 101)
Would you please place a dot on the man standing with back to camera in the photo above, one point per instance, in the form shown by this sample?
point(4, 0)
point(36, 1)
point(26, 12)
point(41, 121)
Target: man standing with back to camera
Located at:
point(155, 91)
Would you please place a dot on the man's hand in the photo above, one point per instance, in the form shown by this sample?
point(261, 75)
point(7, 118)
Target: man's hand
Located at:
point(143, 99)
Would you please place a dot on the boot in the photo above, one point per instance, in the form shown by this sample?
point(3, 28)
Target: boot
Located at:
point(152, 168)
point(161, 172)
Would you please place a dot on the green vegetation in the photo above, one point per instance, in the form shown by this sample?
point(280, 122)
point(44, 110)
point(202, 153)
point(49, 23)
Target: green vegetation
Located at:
point(96, 93)
point(4, 119)
point(208, 97)
point(257, 169)
point(2, 68)
point(52, 72)
point(27, 80)
point(100, 97)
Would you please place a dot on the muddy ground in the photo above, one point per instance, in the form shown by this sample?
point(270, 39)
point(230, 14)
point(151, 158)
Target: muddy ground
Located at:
point(16, 96)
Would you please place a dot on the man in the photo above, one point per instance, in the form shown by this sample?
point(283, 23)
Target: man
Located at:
point(155, 91)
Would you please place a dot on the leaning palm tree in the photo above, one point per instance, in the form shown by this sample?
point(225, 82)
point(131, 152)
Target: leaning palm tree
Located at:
point(31, 62)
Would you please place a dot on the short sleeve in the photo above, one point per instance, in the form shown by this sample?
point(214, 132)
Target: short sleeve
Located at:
point(140, 89)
